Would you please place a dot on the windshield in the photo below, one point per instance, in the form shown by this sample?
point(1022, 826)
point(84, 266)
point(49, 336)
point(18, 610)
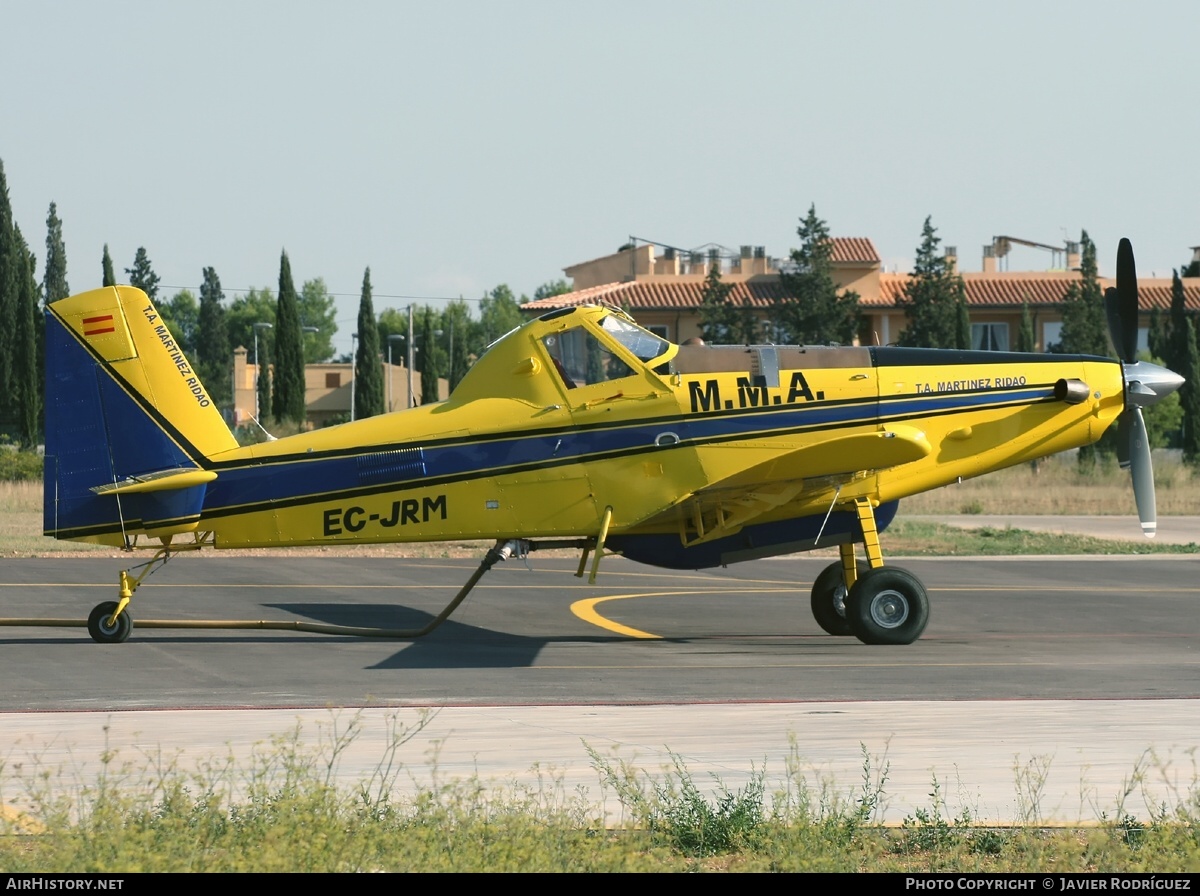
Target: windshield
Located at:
point(642, 343)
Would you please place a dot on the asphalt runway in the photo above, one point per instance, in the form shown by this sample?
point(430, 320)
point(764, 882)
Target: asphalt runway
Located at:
point(1081, 674)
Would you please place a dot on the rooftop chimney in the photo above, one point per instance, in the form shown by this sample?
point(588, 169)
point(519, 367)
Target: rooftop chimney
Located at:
point(1073, 257)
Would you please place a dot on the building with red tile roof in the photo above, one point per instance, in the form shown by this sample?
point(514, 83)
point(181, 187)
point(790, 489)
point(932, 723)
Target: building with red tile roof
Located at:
point(662, 287)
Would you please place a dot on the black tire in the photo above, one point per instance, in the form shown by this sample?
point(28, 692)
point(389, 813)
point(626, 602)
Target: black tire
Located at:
point(104, 632)
point(887, 606)
point(829, 599)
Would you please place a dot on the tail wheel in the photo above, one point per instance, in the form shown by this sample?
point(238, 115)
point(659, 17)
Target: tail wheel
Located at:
point(103, 629)
point(829, 593)
point(887, 606)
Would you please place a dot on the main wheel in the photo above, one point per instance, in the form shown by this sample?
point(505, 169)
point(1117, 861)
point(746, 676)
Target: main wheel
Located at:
point(887, 606)
point(101, 627)
point(829, 599)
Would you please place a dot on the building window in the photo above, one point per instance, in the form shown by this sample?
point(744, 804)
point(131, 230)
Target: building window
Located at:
point(333, 380)
point(989, 337)
point(659, 330)
point(1051, 334)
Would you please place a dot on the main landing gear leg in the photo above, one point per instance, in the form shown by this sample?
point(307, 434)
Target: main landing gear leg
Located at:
point(877, 605)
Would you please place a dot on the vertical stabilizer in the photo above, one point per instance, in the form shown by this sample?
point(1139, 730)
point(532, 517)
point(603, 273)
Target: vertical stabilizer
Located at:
point(129, 425)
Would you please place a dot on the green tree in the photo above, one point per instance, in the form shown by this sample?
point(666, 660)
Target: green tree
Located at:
point(716, 323)
point(1084, 322)
point(317, 309)
point(142, 274)
point(1084, 326)
point(1026, 335)
point(812, 310)
point(256, 306)
point(368, 372)
point(430, 369)
point(54, 282)
point(932, 297)
point(108, 277)
point(499, 312)
point(550, 288)
point(214, 355)
point(25, 370)
point(181, 314)
point(393, 322)
point(55, 275)
point(456, 328)
point(287, 386)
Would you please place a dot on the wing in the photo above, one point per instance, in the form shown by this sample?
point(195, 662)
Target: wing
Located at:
point(725, 506)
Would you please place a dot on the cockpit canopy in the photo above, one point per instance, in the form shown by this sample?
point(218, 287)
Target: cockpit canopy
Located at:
point(582, 358)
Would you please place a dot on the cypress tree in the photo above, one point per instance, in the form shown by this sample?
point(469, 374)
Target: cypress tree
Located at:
point(56, 259)
point(213, 352)
point(142, 274)
point(25, 369)
point(10, 285)
point(109, 278)
point(1174, 349)
point(368, 373)
point(812, 311)
point(429, 365)
point(962, 316)
point(933, 297)
point(287, 398)
point(1084, 324)
point(456, 321)
point(1189, 398)
point(1026, 337)
point(716, 314)
point(1157, 338)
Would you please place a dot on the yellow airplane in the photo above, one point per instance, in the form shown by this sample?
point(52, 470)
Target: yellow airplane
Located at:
point(579, 429)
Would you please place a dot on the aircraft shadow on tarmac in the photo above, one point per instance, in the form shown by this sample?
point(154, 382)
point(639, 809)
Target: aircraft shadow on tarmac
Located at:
point(452, 645)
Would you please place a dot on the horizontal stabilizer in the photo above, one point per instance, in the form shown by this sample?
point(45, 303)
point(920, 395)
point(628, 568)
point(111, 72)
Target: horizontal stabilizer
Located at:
point(163, 480)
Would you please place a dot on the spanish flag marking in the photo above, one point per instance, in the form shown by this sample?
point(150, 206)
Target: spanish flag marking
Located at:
point(95, 326)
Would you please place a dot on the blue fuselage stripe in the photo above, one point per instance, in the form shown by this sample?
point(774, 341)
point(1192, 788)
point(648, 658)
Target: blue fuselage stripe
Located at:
point(300, 481)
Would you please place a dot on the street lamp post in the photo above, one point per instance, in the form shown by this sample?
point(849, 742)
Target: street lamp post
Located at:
point(260, 325)
point(411, 397)
point(392, 338)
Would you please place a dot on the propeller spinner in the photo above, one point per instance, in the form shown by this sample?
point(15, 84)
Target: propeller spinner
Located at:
point(1145, 384)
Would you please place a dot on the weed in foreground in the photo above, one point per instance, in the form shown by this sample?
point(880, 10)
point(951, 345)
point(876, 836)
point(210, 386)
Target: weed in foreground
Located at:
point(283, 810)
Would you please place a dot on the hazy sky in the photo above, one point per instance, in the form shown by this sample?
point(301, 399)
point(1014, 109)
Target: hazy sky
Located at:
point(454, 146)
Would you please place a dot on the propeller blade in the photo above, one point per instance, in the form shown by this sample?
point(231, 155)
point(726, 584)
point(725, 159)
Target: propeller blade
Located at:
point(1124, 441)
point(1116, 330)
point(1126, 303)
point(1142, 470)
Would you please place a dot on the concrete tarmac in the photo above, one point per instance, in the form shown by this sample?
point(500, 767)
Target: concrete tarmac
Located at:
point(1086, 629)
